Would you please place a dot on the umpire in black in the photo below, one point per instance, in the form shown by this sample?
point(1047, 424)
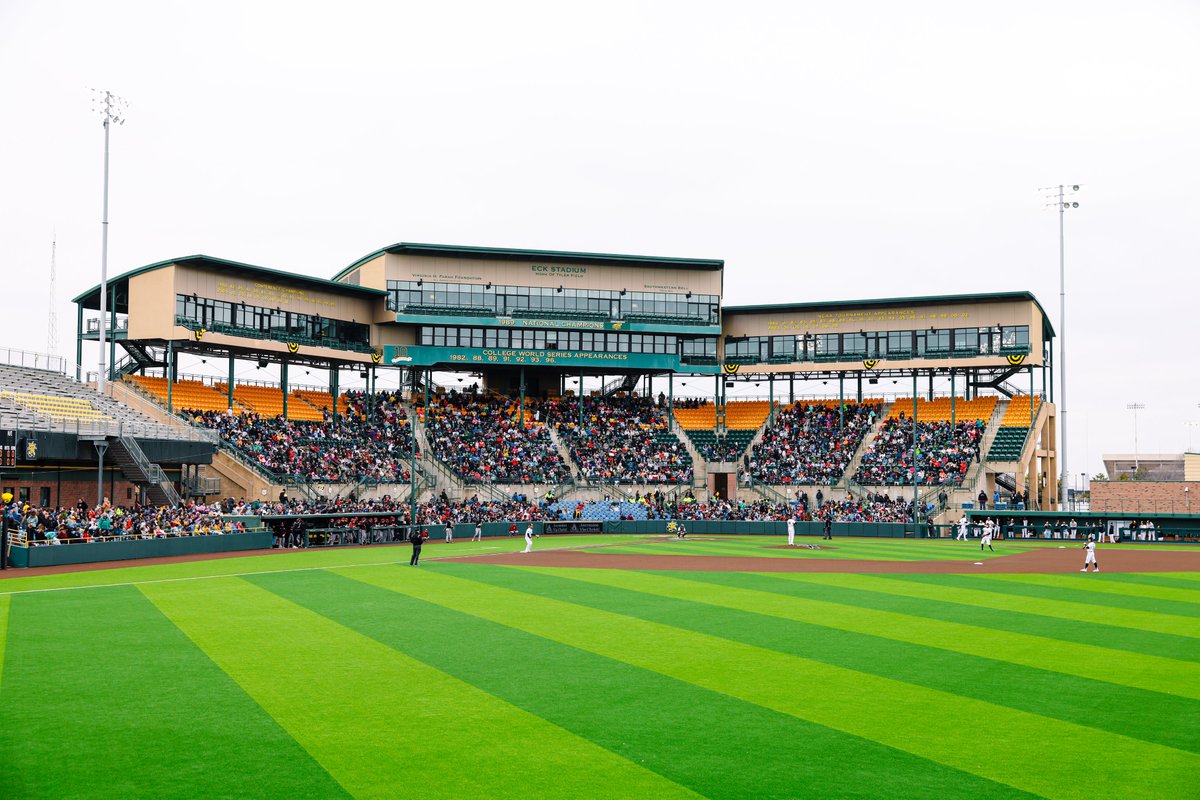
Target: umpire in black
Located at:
point(414, 536)
point(828, 527)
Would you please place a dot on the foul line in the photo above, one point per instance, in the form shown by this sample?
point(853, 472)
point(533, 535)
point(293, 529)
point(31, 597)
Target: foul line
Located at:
point(284, 571)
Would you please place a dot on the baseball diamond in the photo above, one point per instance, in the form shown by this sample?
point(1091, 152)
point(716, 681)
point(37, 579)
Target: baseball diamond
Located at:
point(608, 666)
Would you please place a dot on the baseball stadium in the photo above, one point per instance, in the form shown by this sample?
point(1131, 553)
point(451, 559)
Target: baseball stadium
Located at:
point(462, 521)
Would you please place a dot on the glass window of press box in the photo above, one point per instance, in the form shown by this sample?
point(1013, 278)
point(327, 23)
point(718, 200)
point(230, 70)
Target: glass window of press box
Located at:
point(423, 296)
point(573, 341)
point(268, 322)
point(926, 343)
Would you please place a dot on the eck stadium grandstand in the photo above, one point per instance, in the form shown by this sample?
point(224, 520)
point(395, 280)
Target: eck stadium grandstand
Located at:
point(429, 402)
point(586, 382)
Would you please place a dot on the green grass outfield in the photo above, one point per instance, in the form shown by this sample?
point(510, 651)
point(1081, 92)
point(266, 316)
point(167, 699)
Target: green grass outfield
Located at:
point(347, 673)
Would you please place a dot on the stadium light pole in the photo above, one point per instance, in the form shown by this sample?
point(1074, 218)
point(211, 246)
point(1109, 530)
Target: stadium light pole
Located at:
point(1060, 198)
point(1135, 407)
point(112, 109)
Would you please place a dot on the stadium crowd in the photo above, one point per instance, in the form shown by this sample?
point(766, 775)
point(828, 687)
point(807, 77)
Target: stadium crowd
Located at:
point(356, 446)
point(480, 438)
point(944, 453)
point(622, 440)
point(84, 523)
point(810, 444)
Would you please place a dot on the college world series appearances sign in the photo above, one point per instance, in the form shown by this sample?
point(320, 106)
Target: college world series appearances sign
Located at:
point(426, 356)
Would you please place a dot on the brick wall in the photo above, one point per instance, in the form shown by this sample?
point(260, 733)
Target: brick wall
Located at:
point(1163, 497)
point(67, 492)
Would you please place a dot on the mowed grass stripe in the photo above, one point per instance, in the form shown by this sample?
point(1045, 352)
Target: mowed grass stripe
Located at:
point(1064, 604)
point(378, 719)
point(281, 561)
point(105, 697)
point(4, 603)
point(1145, 715)
point(822, 604)
point(1175, 580)
point(928, 598)
point(881, 709)
point(683, 732)
point(1161, 598)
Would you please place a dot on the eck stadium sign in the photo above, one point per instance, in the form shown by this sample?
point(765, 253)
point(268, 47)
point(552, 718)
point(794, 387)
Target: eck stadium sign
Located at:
point(427, 356)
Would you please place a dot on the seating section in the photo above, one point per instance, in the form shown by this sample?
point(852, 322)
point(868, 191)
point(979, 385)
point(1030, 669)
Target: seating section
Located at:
point(322, 401)
point(192, 395)
point(945, 450)
point(812, 443)
point(1014, 429)
point(481, 439)
point(622, 440)
point(598, 511)
point(746, 414)
point(349, 449)
point(52, 398)
point(267, 401)
point(743, 418)
point(68, 408)
point(939, 409)
point(728, 446)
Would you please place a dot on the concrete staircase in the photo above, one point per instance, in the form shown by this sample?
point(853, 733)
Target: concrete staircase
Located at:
point(865, 445)
point(565, 453)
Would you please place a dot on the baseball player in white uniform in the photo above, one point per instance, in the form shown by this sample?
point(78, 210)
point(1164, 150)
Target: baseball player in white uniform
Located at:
point(962, 529)
point(792, 531)
point(986, 540)
point(528, 538)
point(1090, 558)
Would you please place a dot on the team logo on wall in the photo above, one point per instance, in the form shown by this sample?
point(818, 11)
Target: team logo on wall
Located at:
point(376, 357)
point(293, 347)
point(401, 355)
point(729, 369)
point(199, 333)
point(31, 450)
point(871, 363)
point(616, 326)
point(1016, 360)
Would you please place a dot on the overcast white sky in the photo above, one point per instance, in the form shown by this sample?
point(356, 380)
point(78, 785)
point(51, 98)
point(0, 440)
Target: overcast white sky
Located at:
point(824, 150)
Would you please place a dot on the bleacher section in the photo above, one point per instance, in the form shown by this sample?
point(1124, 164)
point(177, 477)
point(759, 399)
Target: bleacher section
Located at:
point(1014, 429)
point(945, 450)
point(622, 440)
point(56, 407)
point(812, 443)
point(36, 398)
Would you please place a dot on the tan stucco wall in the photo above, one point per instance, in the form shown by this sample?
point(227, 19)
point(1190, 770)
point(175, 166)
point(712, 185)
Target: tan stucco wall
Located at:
point(270, 294)
point(152, 303)
point(551, 275)
point(851, 319)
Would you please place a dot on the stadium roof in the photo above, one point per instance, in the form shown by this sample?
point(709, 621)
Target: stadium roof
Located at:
point(551, 256)
point(989, 297)
point(91, 297)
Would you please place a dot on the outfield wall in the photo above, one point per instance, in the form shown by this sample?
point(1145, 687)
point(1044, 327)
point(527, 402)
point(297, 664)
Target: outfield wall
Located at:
point(53, 556)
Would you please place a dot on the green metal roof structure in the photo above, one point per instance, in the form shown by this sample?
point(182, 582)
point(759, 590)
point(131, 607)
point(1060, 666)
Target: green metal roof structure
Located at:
point(91, 298)
point(549, 256)
point(886, 302)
